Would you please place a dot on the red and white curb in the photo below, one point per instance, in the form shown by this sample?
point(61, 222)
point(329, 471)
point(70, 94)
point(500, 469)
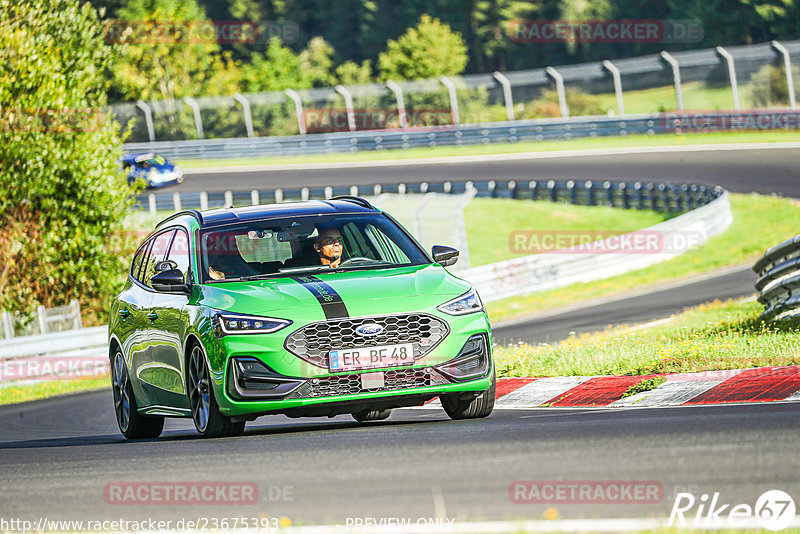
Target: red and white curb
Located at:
point(761, 384)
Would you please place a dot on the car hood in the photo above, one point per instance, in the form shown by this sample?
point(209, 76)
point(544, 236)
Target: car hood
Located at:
point(366, 292)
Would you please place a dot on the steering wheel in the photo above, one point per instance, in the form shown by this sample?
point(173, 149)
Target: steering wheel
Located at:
point(355, 259)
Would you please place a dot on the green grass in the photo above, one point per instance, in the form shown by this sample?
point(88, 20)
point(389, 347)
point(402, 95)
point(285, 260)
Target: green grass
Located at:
point(528, 146)
point(491, 223)
point(644, 385)
point(29, 392)
point(759, 222)
point(696, 96)
point(720, 335)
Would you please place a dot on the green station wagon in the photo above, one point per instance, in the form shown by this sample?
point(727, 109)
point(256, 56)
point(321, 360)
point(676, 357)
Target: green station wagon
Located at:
point(307, 309)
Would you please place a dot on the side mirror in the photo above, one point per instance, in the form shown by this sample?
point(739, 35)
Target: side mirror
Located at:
point(445, 256)
point(170, 280)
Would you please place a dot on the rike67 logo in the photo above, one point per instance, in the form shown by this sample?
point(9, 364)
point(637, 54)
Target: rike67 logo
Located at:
point(773, 510)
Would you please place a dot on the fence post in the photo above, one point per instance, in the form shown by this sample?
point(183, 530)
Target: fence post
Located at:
point(328, 191)
point(228, 199)
point(41, 313)
point(304, 193)
point(248, 117)
point(376, 190)
point(148, 119)
point(617, 85)
point(562, 93)
point(151, 201)
point(75, 308)
point(298, 110)
point(8, 324)
point(401, 106)
point(731, 75)
point(278, 196)
point(787, 64)
point(198, 120)
point(451, 89)
point(176, 201)
point(676, 76)
point(348, 104)
point(203, 200)
point(254, 197)
point(354, 190)
point(507, 97)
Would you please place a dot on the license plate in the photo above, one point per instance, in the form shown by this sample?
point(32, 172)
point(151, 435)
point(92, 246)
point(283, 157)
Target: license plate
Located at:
point(371, 357)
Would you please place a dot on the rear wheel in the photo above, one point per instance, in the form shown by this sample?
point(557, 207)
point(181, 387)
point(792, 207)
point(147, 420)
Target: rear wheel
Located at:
point(372, 415)
point(208, 420)
point(470, 408)
point(130, 422)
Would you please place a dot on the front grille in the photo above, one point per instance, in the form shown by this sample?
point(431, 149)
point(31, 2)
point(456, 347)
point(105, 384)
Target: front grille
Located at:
point(350, 384)
point(313, 342)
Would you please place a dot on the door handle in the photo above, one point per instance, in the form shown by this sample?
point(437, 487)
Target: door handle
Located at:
point(152, 316)
point(124, 313)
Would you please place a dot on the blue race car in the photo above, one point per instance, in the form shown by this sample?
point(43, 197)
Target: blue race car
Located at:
point(155, 170)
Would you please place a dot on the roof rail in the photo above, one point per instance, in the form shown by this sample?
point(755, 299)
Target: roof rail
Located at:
point(355, 200)
point(194, 213)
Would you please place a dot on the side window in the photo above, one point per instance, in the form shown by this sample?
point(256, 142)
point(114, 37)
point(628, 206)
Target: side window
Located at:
point(138, 258)
point(158, 252)
point(179, 252)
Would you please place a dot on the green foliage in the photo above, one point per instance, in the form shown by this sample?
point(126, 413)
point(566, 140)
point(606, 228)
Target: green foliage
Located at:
point(151, 69)
point(768, 86)
point(317, 62)
point(428, 50)
point(277, 69)
point(351, 73)
point(63, 195)
point(578, 102)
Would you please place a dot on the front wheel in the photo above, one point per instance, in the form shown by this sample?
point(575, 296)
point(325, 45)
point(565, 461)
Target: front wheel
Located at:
point(470, 408)
point(208, 420)
point(130, 422)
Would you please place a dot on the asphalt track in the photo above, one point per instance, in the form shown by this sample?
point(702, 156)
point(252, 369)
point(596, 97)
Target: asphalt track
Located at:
point(58, 455)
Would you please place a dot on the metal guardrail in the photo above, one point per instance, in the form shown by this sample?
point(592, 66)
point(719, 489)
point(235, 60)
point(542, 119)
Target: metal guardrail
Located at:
point(662, 196)
point(778, 283)
point(474, 134)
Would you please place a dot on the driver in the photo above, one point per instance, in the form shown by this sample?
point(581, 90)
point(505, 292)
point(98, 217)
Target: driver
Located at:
point(328, 245)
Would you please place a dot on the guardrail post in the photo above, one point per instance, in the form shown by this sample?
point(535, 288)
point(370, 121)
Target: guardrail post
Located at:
point(278, 196)
point(8, 324)
point(248, 117)
point(423, 187)
point(151, 201)
point(571, 191)
point(176, 201)
point(551, 186)
point(492, 187)
point(508, 99)
point(348, 105)
point(304, 193)
point(512, 187)
point(203, 200)
point(376, 190)
point(298, 110)
point(448, 187)
point(693, 197)
point(228, 199)
point(401, 189)
point(533, 185)
point(328, 191)
point(41, 313)
point(684, 197)
point(198, 120)
point(676, 77)
point(451, 89)
point(589, 185)
point(148, 119)
point(401, 106)
point(354, 190)
point(75, 309)
point(609, 193)
point(787, 64)
point(562, 93)
point(625, 200)
point(254, 197)
point(731, 75)
point(617, 84)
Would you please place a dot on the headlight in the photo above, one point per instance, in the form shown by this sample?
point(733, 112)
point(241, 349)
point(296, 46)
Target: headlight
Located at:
point(469, 302)
point(234, 323)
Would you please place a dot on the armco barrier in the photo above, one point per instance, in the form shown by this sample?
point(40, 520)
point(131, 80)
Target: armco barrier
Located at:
point(778, 283)
point(539, 272)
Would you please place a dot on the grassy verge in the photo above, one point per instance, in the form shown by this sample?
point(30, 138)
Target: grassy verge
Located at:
point(696, 95)
point(532, 146)
point(29, 392)
point(720, 335)
point(759, 223)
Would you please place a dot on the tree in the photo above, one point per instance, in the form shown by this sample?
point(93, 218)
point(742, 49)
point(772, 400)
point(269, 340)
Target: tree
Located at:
point(275, 70)
point(63, 196)
point(317, 62)
point(351, 73)
point(428, 50)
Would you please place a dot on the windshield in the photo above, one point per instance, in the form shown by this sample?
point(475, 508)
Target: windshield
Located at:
point(294, 245)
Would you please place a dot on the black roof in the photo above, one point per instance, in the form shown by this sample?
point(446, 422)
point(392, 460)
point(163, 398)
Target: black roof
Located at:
point(223, 216)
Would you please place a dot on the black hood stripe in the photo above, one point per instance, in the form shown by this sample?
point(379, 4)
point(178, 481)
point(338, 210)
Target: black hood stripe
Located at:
point(331, 302)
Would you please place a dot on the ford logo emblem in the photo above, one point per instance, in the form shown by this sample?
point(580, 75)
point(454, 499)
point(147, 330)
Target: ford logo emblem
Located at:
point(369, 329)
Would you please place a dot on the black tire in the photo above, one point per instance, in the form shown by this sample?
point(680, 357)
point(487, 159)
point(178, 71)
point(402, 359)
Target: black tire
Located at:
point(130, 422)
point(372, 415)
point(208, 420)
point(471, 408)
